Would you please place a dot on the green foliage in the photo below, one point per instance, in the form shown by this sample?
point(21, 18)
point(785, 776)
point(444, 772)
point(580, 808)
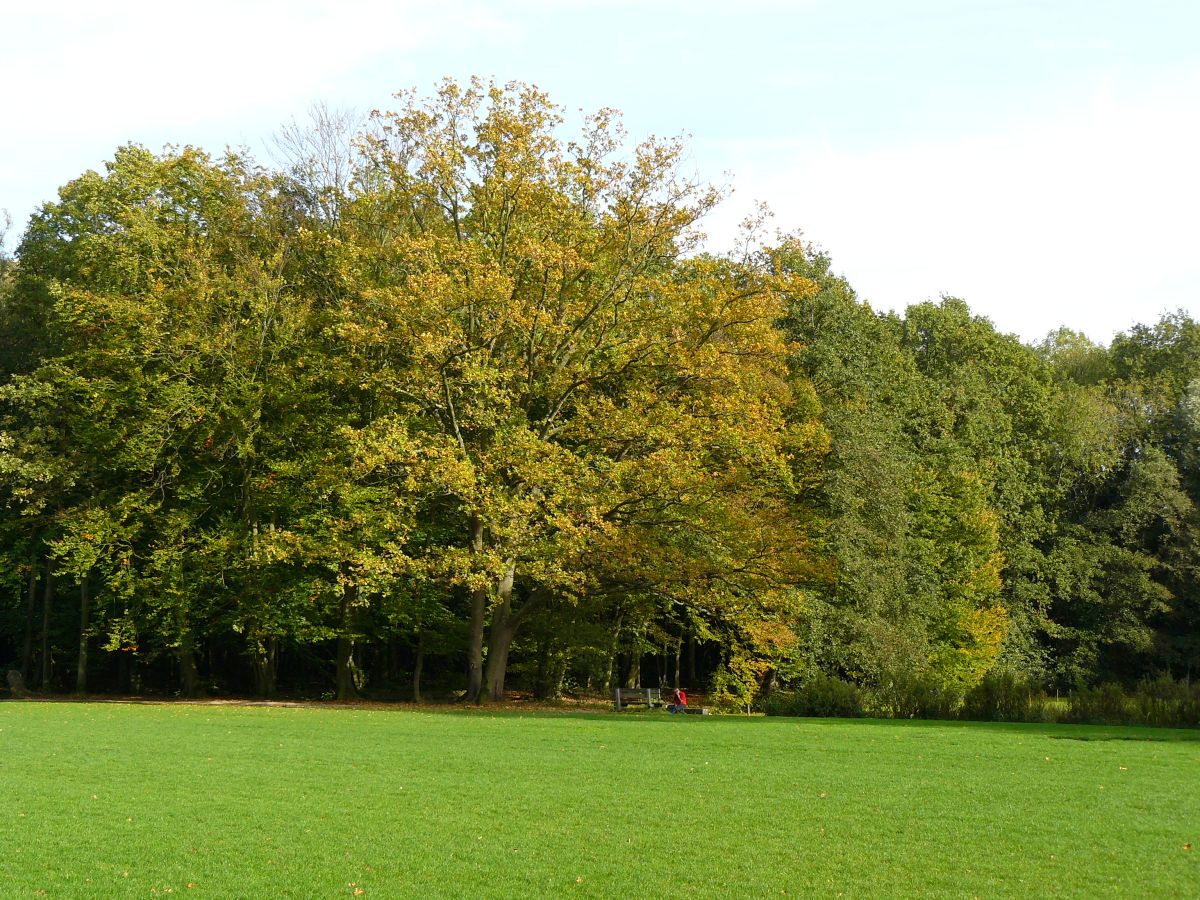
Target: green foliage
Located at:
point(1165, 702)
point(460, 387)
point(1002, 696)
point(1106, 704)
point(1161, 702)
point(822, 695)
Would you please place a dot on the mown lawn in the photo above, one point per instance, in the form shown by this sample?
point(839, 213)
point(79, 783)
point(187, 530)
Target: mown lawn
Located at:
point(114, 800)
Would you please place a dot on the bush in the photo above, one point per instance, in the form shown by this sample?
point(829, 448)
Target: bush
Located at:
point(1002, 697)
point(1166, 702)
point(1104, 705)
point(822, 696)
point(916, 696)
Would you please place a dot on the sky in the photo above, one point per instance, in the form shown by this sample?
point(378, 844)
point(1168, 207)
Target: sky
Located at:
point(1040, 160)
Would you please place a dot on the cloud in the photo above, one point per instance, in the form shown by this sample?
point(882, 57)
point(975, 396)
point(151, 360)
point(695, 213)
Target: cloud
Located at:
point(183, 64)
point(85, 77)
point(1088, 219)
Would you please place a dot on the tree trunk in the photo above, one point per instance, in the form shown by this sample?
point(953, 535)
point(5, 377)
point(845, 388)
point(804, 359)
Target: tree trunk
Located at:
point(500, 639)
point(478, 610)
point(678, 656)
point(690, 671)
point(613, 673)
point(504, 627)
point(85, 612)
point(124, 676)
point(558, 674)
point(418, 665)
point(346, 689)
point(188, 673)
point(265, 662)
point(30, 611)
point(635, 669)
point(47, 605)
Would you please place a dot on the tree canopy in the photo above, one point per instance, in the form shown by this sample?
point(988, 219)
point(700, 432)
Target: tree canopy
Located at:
point(453, 396)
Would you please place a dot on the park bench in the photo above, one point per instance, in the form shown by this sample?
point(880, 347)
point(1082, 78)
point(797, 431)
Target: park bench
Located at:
point(648, 697)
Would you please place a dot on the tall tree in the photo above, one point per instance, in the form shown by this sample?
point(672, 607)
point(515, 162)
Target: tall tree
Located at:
point(533, 318)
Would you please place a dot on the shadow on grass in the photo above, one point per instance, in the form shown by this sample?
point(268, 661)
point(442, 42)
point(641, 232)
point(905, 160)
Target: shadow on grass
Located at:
point(1055, 730)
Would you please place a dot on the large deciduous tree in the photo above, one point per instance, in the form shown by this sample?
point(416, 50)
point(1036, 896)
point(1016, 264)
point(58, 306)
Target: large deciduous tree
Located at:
point(530, 316)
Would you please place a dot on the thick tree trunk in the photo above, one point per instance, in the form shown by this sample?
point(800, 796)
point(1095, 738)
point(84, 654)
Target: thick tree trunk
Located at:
point(30, 611)
point(47, 606)
point(634, 680)
point(478, 611)
point(266, 668)
point(497, 662)
point(418, 665)
point(85, 612)
point(504, 627)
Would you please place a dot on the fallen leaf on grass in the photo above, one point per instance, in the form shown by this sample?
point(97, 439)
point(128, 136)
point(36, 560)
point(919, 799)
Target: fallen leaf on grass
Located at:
point(1187, 846)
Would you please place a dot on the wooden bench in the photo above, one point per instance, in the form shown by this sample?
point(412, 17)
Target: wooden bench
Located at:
point(625, 697)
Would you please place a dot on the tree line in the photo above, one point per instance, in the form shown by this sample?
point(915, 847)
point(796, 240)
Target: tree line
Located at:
point(448, 398)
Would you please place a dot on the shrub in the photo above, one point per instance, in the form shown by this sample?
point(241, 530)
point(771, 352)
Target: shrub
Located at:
point(916, 696)
point(1166, 702)
point(822, 696)
point(1103, 705)
point(1002, 697)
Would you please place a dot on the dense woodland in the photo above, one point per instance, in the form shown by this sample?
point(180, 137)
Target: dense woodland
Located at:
point(448, 402)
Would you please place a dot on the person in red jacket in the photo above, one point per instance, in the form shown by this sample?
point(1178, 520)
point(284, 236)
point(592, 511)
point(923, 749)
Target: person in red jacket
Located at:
point(680, 704)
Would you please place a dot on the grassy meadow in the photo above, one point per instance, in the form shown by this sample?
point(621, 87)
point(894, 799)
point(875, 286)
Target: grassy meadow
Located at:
point(126, 800)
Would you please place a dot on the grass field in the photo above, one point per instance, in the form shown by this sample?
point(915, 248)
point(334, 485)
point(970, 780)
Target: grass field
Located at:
point(117, 800)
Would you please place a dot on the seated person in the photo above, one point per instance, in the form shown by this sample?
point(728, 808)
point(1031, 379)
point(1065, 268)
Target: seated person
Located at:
point(680, 703)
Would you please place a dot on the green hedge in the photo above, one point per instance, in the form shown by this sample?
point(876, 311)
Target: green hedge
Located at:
point(1000, 697)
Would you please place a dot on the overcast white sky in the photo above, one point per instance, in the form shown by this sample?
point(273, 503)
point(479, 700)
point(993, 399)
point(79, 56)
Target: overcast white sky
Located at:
point(1038, 159)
